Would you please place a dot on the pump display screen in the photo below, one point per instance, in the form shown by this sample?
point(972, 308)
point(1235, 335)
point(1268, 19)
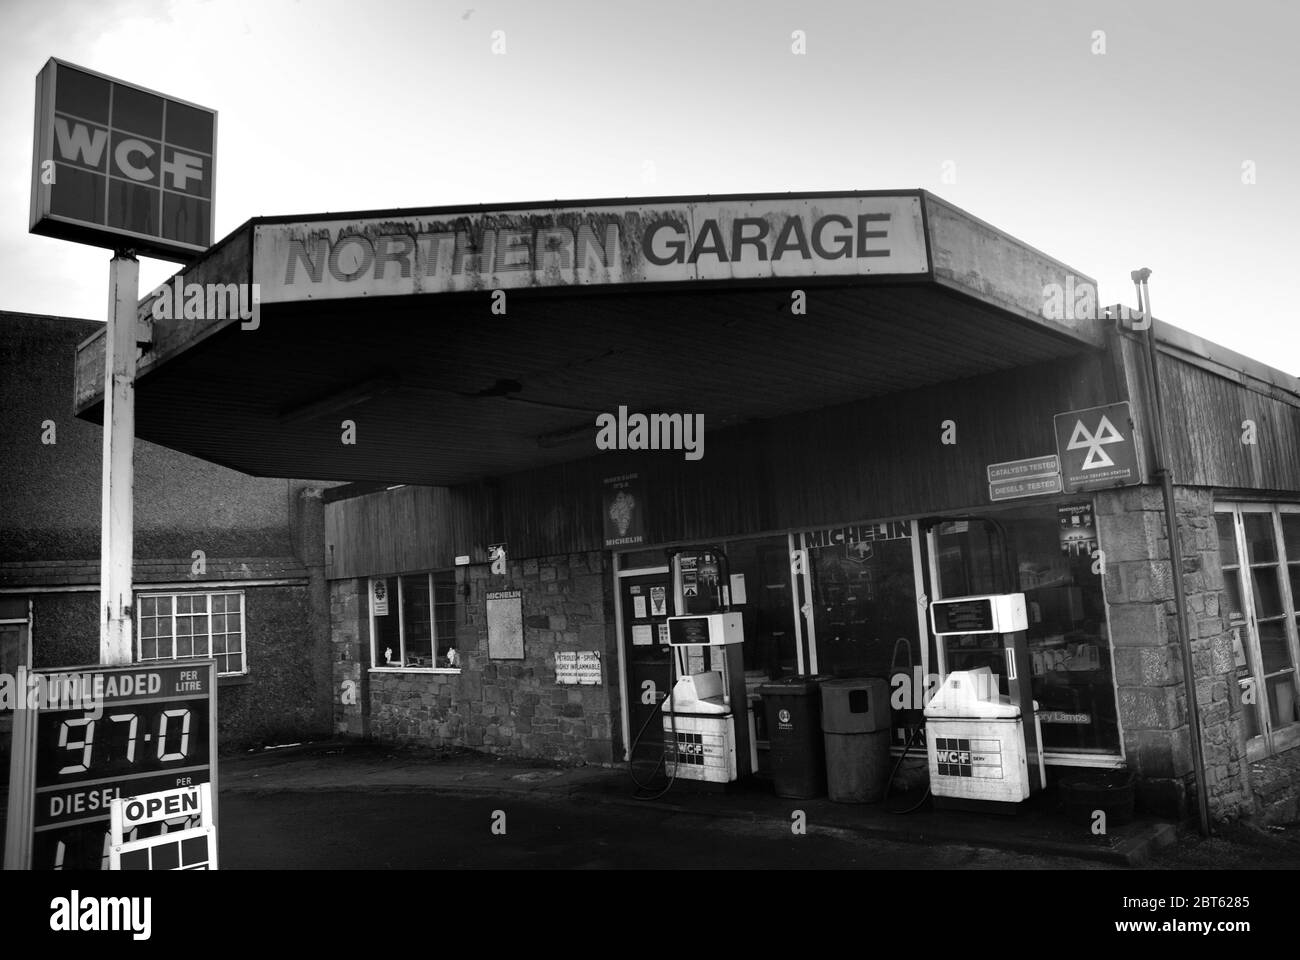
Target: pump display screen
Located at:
point(688, 631)
point(962, 616)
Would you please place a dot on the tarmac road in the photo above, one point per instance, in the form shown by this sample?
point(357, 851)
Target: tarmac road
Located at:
point(431, 830)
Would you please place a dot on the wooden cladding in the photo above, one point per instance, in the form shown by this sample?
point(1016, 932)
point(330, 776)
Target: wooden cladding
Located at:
point(866, 460)
point(1208, 433)
point(410, 528)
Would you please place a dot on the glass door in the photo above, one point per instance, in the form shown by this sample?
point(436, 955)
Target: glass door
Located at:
point(645, 602)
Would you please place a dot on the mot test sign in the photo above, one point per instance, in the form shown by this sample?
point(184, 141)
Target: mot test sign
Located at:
point(1097, 448)
point(134, 729)
point(118, 166)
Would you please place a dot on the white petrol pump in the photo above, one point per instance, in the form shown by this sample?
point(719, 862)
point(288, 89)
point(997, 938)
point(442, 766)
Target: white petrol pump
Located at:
point(984, 746)
point(705, 716)
point(702, 738)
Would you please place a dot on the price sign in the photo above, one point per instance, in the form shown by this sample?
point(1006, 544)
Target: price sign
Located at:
point(135, 729)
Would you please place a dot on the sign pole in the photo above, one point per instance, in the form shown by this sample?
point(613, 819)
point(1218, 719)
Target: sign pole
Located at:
point(117, 533)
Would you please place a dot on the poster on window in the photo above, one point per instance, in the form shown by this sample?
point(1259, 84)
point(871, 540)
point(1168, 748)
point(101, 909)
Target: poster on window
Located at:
point(379, 598)
point(1077, 529)
point(688, 564)
point(658, 601)
point(623, 506)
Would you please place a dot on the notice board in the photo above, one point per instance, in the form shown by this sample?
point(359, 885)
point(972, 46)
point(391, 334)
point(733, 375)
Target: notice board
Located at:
point(505, 619)
point(578, 667)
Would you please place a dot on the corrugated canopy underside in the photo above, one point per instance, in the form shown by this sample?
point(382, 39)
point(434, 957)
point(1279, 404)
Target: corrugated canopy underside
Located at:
point(441, 391)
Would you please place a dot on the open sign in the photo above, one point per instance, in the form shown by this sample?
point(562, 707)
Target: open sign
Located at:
point(164, 805)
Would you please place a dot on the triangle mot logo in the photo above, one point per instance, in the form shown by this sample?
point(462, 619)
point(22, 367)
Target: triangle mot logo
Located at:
point(1094, 443)
point(1096, 448)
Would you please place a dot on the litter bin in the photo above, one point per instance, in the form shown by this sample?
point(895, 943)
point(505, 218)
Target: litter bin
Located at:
point(792, 708)
point(855, 724)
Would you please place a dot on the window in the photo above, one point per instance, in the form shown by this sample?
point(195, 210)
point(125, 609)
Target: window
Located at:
point(413, 621)
point(181, 626)
point(1046, 552)
point(864, 600)
point(15, 654)
point(1259, 552)
point(15, 645)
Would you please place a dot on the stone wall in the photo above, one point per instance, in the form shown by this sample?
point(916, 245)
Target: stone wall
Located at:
point(1148, 659)
point(511, 707)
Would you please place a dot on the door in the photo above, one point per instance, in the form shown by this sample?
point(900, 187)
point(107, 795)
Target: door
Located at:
point(646, 602)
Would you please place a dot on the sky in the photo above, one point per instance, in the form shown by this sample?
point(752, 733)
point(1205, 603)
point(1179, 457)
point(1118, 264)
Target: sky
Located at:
point(1109, 135)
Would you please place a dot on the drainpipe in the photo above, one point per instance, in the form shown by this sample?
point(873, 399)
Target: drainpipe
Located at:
point(1157, 420)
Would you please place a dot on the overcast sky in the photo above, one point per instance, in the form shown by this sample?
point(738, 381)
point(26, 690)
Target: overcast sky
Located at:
point(1136, 156)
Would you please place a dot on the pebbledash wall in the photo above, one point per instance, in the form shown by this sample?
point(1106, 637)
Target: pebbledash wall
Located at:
point(275, 702)
point(262, 538)
point(512, 707)
point(1148, 659)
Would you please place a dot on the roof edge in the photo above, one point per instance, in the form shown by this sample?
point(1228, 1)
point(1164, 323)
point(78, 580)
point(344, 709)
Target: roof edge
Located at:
point(1177, 341)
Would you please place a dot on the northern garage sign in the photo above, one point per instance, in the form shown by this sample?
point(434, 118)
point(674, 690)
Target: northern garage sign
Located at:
point(562, 246)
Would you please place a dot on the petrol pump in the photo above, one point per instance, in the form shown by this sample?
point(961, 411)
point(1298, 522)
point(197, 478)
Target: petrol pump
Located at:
point(705, 716)
point(984, 746)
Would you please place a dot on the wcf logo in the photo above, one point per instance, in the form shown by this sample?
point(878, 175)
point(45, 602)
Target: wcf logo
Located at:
point(131, 157)
point(121, 166)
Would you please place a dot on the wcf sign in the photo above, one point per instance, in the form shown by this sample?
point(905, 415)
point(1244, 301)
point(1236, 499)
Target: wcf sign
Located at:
point(119, 166)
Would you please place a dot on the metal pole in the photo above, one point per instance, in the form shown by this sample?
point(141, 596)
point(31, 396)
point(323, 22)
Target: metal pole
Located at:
point(117, 533)
point(1175, 547)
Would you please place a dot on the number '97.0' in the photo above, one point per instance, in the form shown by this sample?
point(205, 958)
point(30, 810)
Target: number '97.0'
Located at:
point(86, 726)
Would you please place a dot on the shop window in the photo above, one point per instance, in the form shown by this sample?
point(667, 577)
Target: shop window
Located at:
point(413, 621)
point(1048, 553)
point(1259, 553)
point(864, 600)
point(182, 626)
point(639, 559)
point(862, 595)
